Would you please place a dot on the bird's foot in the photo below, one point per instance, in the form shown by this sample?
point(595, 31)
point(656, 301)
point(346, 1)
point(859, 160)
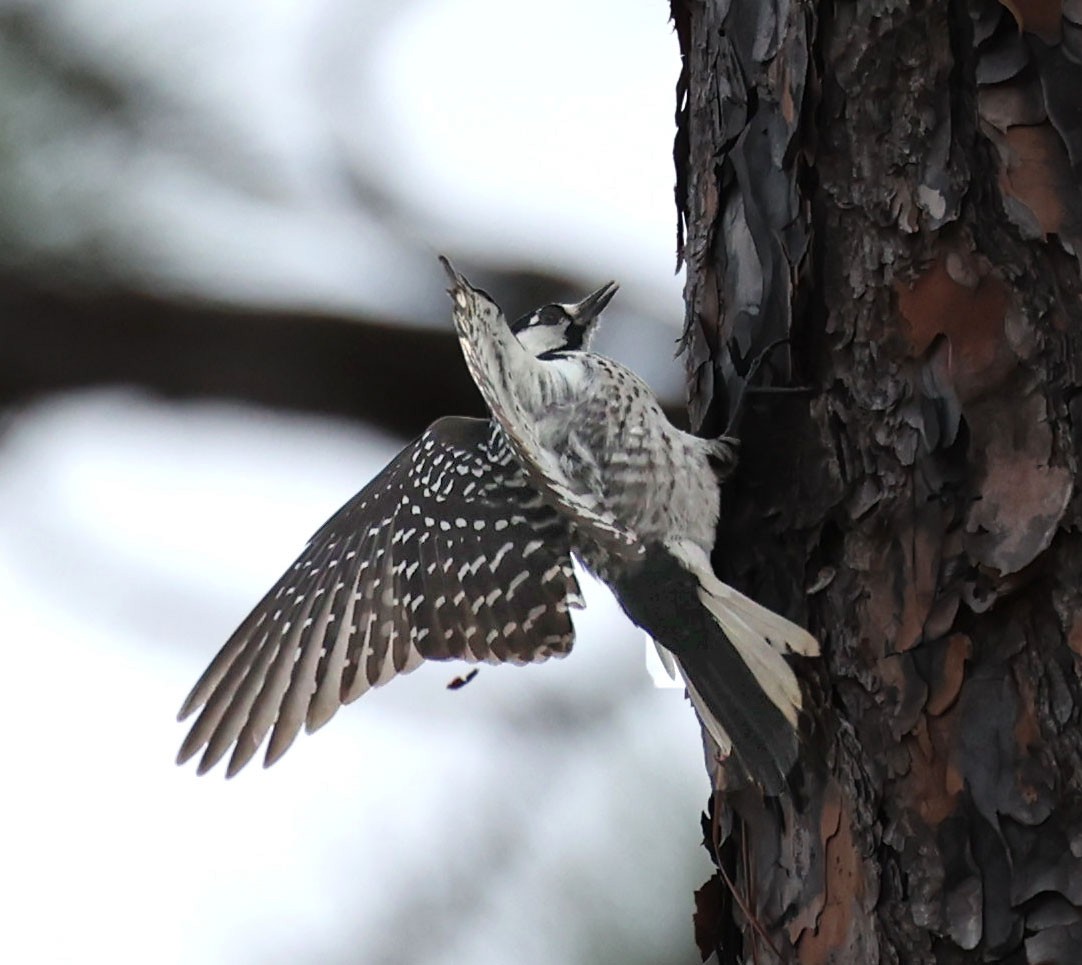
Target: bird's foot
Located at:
point(724, 450)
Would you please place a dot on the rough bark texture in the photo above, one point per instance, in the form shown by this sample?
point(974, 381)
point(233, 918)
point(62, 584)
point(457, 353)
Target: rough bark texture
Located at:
point(896, 188)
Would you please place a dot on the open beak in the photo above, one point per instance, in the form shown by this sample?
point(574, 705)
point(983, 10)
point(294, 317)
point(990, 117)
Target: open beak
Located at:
point(457, 280)
point(592, 305)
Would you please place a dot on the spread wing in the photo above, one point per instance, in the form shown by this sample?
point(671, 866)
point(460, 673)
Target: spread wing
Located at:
point(449, 553)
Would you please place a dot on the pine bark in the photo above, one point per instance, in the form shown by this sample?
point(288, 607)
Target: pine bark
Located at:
point(895, 189)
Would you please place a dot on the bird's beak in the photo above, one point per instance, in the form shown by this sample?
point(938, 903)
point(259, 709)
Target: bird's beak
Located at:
point(461, 291)
point(457, 281)
point(591, 306)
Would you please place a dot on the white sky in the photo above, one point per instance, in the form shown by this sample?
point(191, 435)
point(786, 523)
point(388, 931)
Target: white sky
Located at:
point(133, 537)
point(518, 819)
point(536, 134)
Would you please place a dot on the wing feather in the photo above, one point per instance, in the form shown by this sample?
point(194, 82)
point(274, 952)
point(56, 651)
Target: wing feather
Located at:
point(449, 553)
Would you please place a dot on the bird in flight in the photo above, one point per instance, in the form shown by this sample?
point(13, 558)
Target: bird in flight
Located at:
point(461, 548)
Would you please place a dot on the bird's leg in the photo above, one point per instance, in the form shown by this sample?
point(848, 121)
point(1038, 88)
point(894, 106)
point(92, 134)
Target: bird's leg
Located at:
point(723, 451)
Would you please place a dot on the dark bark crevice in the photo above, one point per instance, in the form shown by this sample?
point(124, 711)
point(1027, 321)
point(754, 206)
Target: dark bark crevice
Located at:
point(920, 508)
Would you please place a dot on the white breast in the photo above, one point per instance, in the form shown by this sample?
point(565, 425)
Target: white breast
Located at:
point(614, 441)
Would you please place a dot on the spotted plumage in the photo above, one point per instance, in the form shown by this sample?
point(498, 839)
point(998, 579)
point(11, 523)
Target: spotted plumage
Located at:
point(450, 553)
point(643, 502)
point(447, 554)
point(461, 549)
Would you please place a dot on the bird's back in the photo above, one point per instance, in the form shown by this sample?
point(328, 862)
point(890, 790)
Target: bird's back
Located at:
point(615, 441)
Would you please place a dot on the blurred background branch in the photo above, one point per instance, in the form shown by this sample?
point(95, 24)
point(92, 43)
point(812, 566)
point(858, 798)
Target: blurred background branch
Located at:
point(220, 314)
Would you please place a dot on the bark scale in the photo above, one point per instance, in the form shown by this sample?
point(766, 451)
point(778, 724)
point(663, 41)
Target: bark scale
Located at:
point(895, 187)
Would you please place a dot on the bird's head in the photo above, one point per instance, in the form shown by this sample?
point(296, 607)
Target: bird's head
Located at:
point(563, 328)
point(551, 328)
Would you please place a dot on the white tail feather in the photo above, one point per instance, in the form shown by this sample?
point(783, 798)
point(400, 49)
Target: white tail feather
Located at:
point(668, 661)
point(781, 633)
point(760, 636)
point(709, 721)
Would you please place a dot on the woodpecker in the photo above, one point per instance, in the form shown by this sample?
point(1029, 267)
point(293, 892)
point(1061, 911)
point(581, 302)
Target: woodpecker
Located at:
point(461, 549)
point(448, 553)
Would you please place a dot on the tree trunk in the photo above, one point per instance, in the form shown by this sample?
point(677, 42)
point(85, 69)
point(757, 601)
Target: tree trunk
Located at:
point(895, 188)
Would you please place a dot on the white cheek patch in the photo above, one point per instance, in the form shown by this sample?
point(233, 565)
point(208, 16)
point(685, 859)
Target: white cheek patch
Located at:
point(541, 339)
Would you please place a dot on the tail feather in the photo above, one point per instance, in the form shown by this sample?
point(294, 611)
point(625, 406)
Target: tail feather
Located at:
point(731, 656)
point(767, 663)
point(706, 717)
point(743, 721)
point(761, 636)
point(776, 629)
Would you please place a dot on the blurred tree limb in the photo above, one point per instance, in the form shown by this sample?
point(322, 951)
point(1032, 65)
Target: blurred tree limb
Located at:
point(60, 338)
